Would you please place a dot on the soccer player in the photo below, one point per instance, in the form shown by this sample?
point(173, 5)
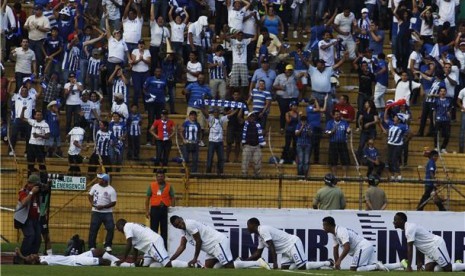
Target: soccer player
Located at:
point(92, 257)
point(212, 242)
point(364, 258)
point(278, 241)
point(142, 238)
point(431, 246)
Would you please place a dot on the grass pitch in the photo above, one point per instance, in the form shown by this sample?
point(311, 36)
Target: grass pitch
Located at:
point(20, 270)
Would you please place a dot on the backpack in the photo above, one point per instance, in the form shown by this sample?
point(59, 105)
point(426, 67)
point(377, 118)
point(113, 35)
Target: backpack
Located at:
point(76, 246)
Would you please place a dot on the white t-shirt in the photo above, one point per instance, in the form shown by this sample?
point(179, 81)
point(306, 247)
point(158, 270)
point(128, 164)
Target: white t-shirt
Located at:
point(282, 241)
point(345, 235)
point(102, 196)
point(250, 25)
point(29, 102)
point(24, 60)
point(34, 33)
point(327, 54)
point(121, 109)
point(239, 50)
point(193, 67)
point(158, 34)
point(447, 11)
point(142, 236)
point(177, 31)
point(396, 3)
point(236, 18)
point(403, 89)
point(345, 24)
point(75, 134)
point(41, 128)
point(116, 50)
point(74, 96)
point(462, 98)
point(140, 66)
point(94, 106)
point(86, 109)
point(424, 241)
point(417, 58)
point(461, 57)
point(210, 237)
point(132, 30)
point(195, 38)
point(454, 74)
point(425, 29)
point(216, 128)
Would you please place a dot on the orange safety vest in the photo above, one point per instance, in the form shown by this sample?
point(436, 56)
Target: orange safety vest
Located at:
point(156, 199)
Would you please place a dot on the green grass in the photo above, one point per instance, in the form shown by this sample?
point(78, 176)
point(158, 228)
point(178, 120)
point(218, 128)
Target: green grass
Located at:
point(19, 270)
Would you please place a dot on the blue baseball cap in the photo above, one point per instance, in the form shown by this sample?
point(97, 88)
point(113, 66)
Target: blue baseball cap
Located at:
point(103, 176)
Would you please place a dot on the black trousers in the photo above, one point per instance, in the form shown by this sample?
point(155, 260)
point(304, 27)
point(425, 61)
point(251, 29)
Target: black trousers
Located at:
point(133, 146)
point(159, 221)
point(315, 149)
point(74, 161)
point(394, 153)
point(426, 112)
point(163, 152)
point(94, 161)
point(426, 196)
point(444, 128)
point(372, 166)
point(36, 153)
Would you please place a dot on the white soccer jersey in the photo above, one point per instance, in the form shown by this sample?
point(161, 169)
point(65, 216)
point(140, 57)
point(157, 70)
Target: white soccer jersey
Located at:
point(142, 236)
point(345, 235)
point(210, 237)
point(282, 241)
point(84, 259)
point(423, 240)
point(40, 128)
point(28, 102)
point(102, 196)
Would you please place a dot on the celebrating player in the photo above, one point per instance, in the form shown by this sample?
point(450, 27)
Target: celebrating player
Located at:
point(431, 246)
point(361, 249)
point(142, 238)
point(212, 242)
point(92, 257)
point(277, 241)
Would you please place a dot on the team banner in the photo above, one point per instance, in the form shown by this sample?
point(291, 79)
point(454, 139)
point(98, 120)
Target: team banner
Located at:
point(376, 226)
point(220, 103)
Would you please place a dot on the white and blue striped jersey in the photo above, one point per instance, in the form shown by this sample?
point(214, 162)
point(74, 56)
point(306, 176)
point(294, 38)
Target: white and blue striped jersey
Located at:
point(134, 124)
point(191, 130)
point(396, 134)
point(93, 68)
point(71, 59)
point(259, 99)
point(86, 108)
point(216, 72)
point(120, 87)
point(103, 139)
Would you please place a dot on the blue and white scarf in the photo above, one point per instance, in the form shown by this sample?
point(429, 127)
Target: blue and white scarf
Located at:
point(261, 140)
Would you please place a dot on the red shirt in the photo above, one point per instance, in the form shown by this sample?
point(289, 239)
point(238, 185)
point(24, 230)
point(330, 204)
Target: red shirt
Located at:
point(34, 203)
point(347, 111)
point(163, 134)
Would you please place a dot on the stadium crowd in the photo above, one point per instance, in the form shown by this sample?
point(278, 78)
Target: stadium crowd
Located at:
point(90, 58)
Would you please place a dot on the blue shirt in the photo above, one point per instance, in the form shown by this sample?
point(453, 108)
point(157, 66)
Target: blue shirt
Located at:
point(313, 117)
point(430, 172)
point(134, 122)
point(377, 46)
point(304, 139)
point(299, 60)
point(259, 99)
point(424, 82)
point(396, 133)
point(268, 77)
point(263, 52)
point(197, 94)
point(442, 107)
point(65, 28)
point(191, 130)
point(51, 46)
point(155, 90)
point(340, 131)
point(381, 78)
point(53, 122)
point(371, 153)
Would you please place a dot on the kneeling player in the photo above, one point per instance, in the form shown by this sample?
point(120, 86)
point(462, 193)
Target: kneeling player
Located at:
point(277, 241)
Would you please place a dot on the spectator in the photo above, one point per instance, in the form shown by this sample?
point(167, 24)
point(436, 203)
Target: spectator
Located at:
point(427, 25)
point(376, 39)
point(363, 31)
point(158, 36)
point(26, 216)
point(447, 12)
point(38, 26)
point(218, 72)
point(236, 14)
point(53, 121)
point(326, 48)
point(170, 70)
point(195, 32)
point(375, 197)
point(112, 11)
point(51, 49)
point(461, 104)
point(239, 76)
point(343, 25)
point(404, 86)
point(301, 62)
point(314, 120)
point(95, 68)
point(275, 48)
point(120, 107)
point(285, 86)
point(95, 102)
point(118, 128)
point(292, 118)
point(20, 100)
point(264, 73)
point(366, 79)
point(102, 198)
point(320, 77)
point(117, 47)
point(373, 162)
point(162, 130)
point(252, 141)
point(329, 197)
point(25, 64)
point(119, 84)
point(367, 121)
point(303, 133)
point(215, 139)
point(141, 61)
point(193, 68)
point(337, 129)
point(430, 185)
point(52, 90)
point(76, 144)
point(346, 110)
point(381, 76)
point(160, 196)
point(235, 126)
point(451, 73)
point(154, 91)
point(72, 93)
point(272, 22)
point(442, 109)
point(251, 21)
point(299, 16)
point(261, 103)
point(134, 123)
point(178, 26)
point(398, 130)
point(104, 139)
point(8, 25)
point(132, 25)
point(191, 134)
point(402, 42)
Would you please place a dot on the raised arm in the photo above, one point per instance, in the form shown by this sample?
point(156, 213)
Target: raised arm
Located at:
point(127, 8)
point(170, 14)
point(107, 26)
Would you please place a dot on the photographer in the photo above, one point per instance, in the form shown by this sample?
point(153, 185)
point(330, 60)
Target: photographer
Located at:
point(44, 205)
point(26, 215)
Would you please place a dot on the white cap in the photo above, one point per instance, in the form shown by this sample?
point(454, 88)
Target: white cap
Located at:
point(364, 10)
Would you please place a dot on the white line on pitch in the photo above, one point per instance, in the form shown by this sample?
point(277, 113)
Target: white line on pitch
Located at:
point(306, 273)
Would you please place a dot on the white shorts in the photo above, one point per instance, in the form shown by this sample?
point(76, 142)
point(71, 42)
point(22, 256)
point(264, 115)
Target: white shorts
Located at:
point(294, 255)
point(221, 252)
point(364, 255)
point(86, 259)
point(439, 255)
point(158, 253)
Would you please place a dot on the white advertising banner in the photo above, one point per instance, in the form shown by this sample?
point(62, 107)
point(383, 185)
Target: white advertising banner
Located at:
point(376, 226)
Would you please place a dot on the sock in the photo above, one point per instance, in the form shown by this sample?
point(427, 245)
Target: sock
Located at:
point(458, 267)
point(49, 252)
point(393, 266)
point(109, 257)
point(127, 264)
point(292, 266)
point(155, 264)
point(367, 268)
point(218, 265)
point(177, 263)
point(245, 264)
point(315, 265)
point(437, 268)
